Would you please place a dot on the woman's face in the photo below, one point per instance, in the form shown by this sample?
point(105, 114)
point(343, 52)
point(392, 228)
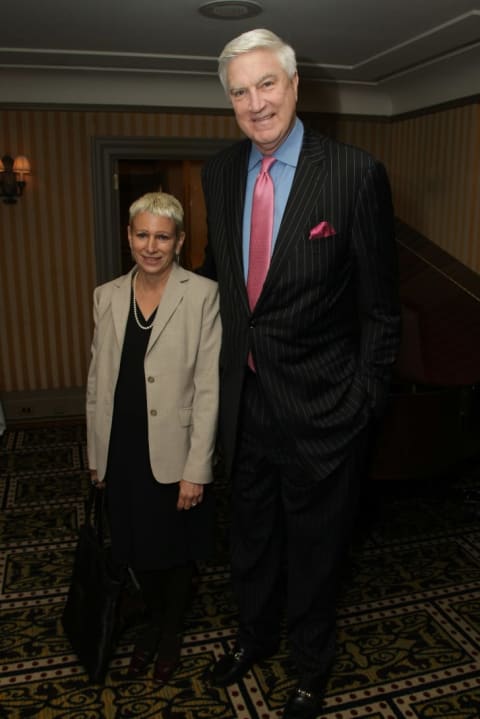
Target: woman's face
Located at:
point(154, 243)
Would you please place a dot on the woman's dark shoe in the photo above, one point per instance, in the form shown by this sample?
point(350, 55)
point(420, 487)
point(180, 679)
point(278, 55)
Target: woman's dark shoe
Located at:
point(164, 668)
point(167, 660)
point(140, 660)
point(144, 650)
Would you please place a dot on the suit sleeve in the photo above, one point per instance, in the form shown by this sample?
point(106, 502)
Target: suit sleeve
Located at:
point(377, 284)
point(207, 268)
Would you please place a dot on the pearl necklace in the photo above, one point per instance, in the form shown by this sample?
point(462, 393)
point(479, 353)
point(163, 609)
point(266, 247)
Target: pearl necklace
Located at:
point(135, 312)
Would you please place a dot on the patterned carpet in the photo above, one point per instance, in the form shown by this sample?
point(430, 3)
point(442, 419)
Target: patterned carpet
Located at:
point(409, 614)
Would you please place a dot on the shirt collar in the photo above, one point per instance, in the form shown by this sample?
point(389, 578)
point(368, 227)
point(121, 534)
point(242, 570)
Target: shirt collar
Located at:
point(288, 151)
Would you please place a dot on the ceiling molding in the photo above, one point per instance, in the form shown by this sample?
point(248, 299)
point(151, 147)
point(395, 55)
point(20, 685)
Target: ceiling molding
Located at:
point(458, 34)
point(372, 56)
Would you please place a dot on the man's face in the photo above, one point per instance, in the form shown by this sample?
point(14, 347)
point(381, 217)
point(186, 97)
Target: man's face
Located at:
point(263, 97)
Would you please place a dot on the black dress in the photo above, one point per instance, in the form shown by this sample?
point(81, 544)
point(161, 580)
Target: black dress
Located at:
point(147, 531)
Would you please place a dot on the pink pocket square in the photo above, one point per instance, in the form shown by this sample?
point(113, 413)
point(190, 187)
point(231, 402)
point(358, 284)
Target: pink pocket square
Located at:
point(323, 229)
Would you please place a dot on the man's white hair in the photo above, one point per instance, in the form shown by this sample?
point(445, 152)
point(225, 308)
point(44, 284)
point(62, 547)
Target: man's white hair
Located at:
point(259, 39)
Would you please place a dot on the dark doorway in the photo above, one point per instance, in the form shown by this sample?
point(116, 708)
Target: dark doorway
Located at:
point(135, 178)
point(181, 178)
point(124, 169)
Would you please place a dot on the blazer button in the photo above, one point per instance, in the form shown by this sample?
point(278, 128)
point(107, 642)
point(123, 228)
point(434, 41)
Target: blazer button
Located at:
point(252, 325)
point(153, 412)
point(151, 379)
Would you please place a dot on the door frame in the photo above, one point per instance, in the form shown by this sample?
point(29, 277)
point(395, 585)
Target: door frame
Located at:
point(106, 152)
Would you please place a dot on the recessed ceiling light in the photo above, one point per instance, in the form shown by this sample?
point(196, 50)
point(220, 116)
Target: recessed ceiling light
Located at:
point(230, 9)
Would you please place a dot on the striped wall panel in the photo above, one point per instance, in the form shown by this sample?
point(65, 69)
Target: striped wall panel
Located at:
point(435, 170)
point(433, 161)
point(46, 248)
point(46, 240)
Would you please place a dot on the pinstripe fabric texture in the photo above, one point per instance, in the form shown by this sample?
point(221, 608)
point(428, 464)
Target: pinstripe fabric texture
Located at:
point(325, 331)
point(287, 526)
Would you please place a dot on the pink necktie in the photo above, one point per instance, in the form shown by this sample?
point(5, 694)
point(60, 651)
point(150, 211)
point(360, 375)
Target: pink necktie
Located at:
point(260, 232)
point(260, 236)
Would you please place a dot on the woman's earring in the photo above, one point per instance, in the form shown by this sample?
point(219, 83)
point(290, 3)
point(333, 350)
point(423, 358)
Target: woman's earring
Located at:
point(177, 258)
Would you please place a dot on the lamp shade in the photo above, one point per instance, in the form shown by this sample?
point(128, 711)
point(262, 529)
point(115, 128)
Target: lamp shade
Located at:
point(21, 165)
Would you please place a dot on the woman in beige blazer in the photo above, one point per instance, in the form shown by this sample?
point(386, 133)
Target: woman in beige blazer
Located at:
point(152, 401)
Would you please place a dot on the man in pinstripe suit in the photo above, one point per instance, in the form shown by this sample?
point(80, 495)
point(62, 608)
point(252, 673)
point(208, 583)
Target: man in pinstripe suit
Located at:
point(323, 335)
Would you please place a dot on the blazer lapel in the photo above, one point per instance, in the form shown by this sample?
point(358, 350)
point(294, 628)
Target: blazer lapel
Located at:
point(121, 296)
point(172, 296)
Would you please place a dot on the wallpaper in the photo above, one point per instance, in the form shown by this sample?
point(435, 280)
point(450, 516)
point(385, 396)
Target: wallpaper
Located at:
point(47, 262)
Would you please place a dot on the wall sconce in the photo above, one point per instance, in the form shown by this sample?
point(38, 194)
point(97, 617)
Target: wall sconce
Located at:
point(12, 181)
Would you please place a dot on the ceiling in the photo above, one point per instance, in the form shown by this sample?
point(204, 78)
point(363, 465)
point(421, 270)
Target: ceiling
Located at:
point(366, 42)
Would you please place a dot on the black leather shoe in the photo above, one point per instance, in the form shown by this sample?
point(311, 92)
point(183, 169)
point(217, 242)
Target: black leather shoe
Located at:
point(139, 661)
point(232, 667)
point(304, 704)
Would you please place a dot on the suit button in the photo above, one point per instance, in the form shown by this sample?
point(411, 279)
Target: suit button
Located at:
point(153, 412)
point(151, 379)
point(252, 325)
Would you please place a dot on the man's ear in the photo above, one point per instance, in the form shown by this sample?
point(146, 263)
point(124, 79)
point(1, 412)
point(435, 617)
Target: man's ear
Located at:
point(295, 84)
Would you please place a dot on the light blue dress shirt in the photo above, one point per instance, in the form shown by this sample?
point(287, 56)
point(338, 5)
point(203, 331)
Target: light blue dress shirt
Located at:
point(281, 172)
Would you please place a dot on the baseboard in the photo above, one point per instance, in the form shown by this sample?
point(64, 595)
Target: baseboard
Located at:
point(43, 404)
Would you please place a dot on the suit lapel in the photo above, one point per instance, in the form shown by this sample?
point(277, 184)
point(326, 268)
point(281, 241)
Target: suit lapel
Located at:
point(307, 187)
point(172, 296)
point(235, 181)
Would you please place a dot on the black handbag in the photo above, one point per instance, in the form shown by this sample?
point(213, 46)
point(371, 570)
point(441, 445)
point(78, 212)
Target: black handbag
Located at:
point(91, 617)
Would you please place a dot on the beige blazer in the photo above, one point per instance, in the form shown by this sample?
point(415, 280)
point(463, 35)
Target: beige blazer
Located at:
point(181, 375)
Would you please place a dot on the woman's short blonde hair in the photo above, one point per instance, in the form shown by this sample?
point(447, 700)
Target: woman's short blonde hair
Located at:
point(159, 203)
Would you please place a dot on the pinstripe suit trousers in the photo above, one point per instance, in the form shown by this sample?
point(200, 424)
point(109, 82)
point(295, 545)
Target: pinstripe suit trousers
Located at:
point(290, 531)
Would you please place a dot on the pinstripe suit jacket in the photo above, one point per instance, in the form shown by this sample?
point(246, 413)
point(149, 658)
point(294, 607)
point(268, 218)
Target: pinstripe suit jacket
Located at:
point(325, 331)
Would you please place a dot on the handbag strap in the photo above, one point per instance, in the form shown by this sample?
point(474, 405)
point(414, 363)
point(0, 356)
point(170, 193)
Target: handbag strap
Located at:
point(95, 512)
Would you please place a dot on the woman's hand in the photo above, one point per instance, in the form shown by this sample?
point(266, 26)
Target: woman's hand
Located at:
point(189, 494)
point(95, 481)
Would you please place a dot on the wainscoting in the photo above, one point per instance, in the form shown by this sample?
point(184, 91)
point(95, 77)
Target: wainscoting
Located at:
point(44, 404)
